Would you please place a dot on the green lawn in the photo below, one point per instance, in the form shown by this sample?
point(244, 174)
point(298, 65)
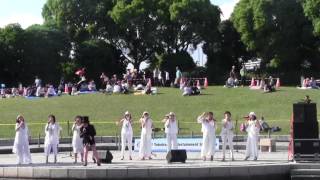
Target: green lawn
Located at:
point(104, 110)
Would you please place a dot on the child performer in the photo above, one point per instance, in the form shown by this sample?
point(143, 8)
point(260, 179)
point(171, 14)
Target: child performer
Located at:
point(21, 142)
point(126, 134)
point(51, 142)
point(77, 141)
point(171, 130)
point(252, 128)
point(209, 138)
point(227, 135)
point(146, 133)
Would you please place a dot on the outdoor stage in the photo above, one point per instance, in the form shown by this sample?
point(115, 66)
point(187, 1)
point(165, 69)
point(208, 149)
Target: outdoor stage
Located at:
point(269, 166)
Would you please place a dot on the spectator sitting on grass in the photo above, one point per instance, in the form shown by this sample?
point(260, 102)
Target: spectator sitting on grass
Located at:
point(195, 90)
point(124, 87)
point(117, 87)
point(114, 79)
point(14, 92)
point(270, 86)
point(50, 91)
point(104, 78)
point(231, 82)
point(313, 83)
point(92, 86)
point(109, 88)
point(187, 90)
point(147, 89)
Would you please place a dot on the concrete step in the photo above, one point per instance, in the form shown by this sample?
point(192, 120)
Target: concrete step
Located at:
point(305, 172)
point(305, 177)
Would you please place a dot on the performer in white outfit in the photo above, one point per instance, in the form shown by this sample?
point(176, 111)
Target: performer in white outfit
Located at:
point(171, 130)
point(146, 136)
point(126, 134)
point(252, 128)
point(227, 135)
point(21, 142)
point(77, 141)
point(209, 138)
point(51, 141)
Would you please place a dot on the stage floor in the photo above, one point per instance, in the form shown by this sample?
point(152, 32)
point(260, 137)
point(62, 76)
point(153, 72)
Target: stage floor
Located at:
point(274, 163)
point(65, 160)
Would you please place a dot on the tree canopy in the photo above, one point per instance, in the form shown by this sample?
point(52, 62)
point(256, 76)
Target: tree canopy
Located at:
point(311, 9)
point(275, 29)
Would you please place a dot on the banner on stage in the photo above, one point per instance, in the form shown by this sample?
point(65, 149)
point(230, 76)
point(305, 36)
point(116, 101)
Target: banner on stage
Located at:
point(189, 144)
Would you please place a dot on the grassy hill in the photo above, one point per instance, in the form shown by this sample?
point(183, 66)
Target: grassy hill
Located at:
point(104, 110)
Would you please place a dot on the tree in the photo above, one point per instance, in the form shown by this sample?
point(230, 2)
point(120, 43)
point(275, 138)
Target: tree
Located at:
point(138, 24)
point(311, 10)
point(100, 56)
point(186, 23)
point(82, 20)
point(12, 44)
point(169, 62)
point(45, 49)
point(139, 28)
point(275, 29)
point(224, 52)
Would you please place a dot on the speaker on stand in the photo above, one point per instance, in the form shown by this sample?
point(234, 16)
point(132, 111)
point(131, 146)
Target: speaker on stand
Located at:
point(305, 136)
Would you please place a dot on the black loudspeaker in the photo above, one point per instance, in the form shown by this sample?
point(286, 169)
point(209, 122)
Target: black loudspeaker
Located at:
point(304, 113)
point(306, 146)
point(105, 156)
point(306, 130)
point(178, 155)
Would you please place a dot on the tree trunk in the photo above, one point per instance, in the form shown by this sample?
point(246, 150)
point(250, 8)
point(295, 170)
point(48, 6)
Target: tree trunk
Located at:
point(136, 65)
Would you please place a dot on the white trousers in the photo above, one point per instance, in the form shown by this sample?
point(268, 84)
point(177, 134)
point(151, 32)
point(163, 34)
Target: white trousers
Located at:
point(49, 147)
point(126, 138)
point(145, 146)
point(23, 154)
point(208, 144)
point(227, 140)
point(252, 147)
point(171, 141)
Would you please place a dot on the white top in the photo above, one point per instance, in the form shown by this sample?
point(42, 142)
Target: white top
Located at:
point(76, 133)
point(227, 128)
point(167, 75)
point(51, 91)
point(52, 132)
point(207, 127)
point(22, 137)
point(155, 73)
point(160, 75)
point(147, 129)
point(77, 141)
point(126, 127)
point(171, 127)
point(109, 88)
point(37, 82)
point(116, 89)
point(252, 129)
point(187, 90)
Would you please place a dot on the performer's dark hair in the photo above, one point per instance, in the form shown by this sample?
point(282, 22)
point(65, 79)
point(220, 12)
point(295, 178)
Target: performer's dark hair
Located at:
point(227, 112)
point(53, 117)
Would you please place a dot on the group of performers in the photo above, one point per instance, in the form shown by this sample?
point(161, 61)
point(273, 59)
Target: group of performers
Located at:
point(83, 137)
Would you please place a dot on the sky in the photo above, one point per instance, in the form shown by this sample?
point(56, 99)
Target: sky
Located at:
point(28, 12)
